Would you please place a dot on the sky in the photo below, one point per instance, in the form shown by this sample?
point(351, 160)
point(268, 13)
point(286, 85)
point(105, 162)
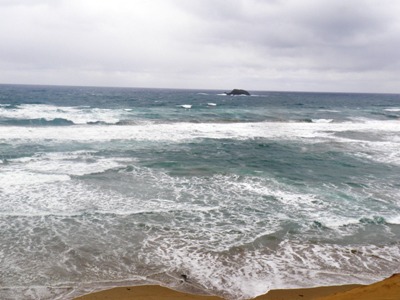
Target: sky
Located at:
point(279, 45)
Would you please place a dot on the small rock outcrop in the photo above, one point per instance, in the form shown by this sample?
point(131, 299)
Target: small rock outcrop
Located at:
point(236, 92)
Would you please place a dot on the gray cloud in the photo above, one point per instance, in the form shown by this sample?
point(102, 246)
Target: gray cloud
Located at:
point(282, 44)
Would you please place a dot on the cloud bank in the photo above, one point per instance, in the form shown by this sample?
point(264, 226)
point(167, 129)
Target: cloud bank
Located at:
point(309, 45)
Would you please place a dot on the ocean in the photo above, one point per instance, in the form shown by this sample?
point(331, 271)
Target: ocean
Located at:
point(104, 187)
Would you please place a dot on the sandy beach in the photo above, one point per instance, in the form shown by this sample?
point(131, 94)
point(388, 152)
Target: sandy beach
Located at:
point(388, 289)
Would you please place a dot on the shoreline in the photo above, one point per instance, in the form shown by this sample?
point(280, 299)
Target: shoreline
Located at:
point(388, 289)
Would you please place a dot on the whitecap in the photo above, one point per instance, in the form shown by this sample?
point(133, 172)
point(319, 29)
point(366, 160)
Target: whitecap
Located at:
point(10, 177)
point(78, 115)
point(393, 220)
point(392, 109)
point(322, 120)
point(329, 110)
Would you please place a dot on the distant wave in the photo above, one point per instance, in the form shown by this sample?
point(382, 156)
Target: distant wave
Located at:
point(329, 110)
point(9, 106)
point(391, 115)
point(190, 119)
point(43, 114)
point(64, 122)
point(308, 120)
point(37, 122)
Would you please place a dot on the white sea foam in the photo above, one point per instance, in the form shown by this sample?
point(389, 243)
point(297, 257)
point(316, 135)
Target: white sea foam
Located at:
point(394, 220)
point(12, 177)
point(33, 193)
point(384, 152)
point(322, 120)
point(78, 115)
point(162, 230)
point(185, 131)
point(53, 167)
point(392, 109)
point(220, 254)
point(292, 264)
point(67, 163)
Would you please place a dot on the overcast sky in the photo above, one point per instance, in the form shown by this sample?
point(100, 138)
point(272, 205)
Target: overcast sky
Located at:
point(287, 45)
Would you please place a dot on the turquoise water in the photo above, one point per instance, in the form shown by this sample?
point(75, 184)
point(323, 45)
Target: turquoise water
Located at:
point(103, 187)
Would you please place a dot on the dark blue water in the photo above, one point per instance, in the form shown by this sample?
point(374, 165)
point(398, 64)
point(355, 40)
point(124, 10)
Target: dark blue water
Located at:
point(102, 187)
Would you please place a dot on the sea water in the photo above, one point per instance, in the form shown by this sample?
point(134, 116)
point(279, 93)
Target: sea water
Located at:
point(104, 187)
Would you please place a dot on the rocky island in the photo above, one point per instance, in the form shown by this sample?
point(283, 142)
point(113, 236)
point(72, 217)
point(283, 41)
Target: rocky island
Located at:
point(236, 92)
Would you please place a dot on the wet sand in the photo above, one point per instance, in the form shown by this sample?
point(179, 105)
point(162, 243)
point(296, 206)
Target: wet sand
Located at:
point(388, 289)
